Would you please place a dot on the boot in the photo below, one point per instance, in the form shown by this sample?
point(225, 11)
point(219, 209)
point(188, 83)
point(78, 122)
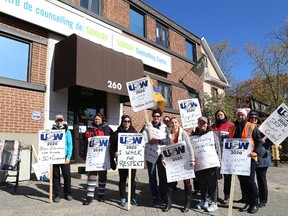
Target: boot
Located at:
point(188, 197)
point(169, 200)
point(88, 200)
point(245, 208)
point(253, 207)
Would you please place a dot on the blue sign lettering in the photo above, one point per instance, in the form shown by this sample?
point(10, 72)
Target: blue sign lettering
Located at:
point(131, 140)
point(56, 136)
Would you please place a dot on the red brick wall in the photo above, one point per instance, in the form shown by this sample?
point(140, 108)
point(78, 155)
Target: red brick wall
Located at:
point(117, 11)
point(16, 105)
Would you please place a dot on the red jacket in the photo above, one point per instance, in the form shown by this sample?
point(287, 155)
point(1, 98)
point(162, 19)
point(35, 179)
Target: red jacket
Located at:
point(222, 127)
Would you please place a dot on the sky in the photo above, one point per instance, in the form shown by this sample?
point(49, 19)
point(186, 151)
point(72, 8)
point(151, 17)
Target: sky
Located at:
point(239, 21)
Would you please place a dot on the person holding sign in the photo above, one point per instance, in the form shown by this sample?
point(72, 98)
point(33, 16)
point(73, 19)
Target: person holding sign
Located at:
point(99, 128)
point(221, 128)
point(65, 168)
point(264, 161)
point(124, 127)
point(176, 135)
point(157, 164)
point(244, 129)
point(207, 176)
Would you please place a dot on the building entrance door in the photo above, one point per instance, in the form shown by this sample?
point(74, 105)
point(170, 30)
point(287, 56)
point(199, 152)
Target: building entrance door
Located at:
point(83, 104)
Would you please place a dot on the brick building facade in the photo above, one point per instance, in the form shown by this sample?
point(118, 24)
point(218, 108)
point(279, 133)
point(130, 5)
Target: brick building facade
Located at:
point(29, 105)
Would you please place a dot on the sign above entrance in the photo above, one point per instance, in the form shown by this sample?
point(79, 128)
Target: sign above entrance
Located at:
point(65, 20)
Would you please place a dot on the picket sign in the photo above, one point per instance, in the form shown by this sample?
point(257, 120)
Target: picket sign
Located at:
point(129, 189)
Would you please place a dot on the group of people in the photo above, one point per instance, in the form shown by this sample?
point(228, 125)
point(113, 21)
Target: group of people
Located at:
point(245, 126)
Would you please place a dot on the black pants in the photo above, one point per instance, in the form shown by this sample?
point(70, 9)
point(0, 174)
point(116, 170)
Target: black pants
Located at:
point(262, 183)
point(227, 185)
point(65, 169)
point(123, 174)
point(248, 185)
point(207, 177)
point(152, 168)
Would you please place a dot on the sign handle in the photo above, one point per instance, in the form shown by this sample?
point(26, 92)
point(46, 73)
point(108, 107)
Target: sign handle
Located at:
point(51, 184)
point(147, 124)
point(129, 189)
point(35, 153)
point(231, 195)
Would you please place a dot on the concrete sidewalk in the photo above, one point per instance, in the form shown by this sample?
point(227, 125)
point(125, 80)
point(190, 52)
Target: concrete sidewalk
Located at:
point(32, 198)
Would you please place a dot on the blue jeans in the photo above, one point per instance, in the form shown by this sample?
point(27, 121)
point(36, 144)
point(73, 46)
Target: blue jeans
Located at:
point(153, 178)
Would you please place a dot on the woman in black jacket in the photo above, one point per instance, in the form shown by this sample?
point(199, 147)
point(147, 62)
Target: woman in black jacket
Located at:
point(124, 127)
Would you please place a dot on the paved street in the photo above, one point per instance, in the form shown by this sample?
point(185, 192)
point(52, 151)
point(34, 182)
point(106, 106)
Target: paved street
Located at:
point(32, 198)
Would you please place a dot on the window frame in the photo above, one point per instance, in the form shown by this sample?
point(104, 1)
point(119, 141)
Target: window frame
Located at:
point(90, 6)
point(193, 50)
point(29, 56)
point(159, 30)
point(162, 91)
point(132, 9)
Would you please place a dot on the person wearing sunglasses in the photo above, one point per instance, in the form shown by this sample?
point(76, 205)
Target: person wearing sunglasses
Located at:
point(65, 168)
point(124, 127)
point(157, 166)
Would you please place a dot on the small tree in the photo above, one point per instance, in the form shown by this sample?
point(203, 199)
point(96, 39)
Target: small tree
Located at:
point(215, 102)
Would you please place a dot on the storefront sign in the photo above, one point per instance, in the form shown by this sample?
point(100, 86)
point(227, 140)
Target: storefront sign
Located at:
point(66, 21)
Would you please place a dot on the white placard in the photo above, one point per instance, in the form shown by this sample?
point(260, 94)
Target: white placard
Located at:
point(190, 111)
point(177, 162)
point(98, 156)
point(157, 134)
point(204, 151)
point(275, 127)
point(152, 152)
point(140, 94)
point(130, 150)
point(221, 136)
point(41, 171)
point(51, 148)
point(236, 157)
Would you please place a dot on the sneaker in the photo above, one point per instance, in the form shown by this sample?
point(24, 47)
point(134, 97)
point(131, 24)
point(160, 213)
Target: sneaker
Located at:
point(56, 199)
point(213, 207)
point(123, 202)
point(202, 205)
point(68, 197)
point(134, 201)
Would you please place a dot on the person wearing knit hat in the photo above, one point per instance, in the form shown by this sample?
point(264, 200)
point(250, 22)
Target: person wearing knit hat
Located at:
point(243, 111)
point(245, 129)
point(65, 167)
point(264, 161)
point(207, 178)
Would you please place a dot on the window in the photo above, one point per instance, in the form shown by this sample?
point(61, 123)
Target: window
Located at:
point(15, 58)
point(193, 94)
point(161, 35)
point(190, 51)
point(165, 90)
point(137, 23)
point(91, 5)
point(214, 91)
